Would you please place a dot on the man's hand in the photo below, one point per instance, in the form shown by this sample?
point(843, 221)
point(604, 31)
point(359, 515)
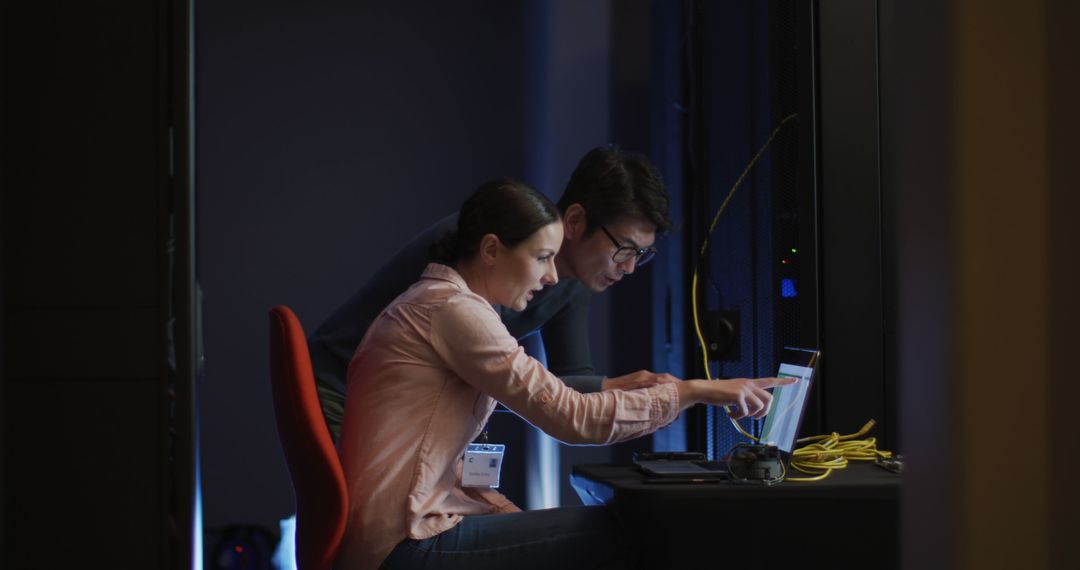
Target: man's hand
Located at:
point(635, 380)
point(748, 395)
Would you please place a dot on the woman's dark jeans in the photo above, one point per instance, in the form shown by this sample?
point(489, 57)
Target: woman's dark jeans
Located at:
point(551, 539)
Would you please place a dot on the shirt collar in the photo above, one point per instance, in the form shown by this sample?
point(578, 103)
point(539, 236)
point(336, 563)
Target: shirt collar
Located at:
point(444, 273)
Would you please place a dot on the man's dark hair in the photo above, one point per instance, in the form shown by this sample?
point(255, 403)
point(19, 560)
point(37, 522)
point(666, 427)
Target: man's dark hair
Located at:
point(510, 209)
point(610, 183)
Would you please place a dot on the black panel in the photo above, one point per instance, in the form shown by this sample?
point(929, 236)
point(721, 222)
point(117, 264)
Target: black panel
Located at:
point(116, 342)
point(889, 429)
point(853, 385)
point(84, 233)
point(78, 494)
point(82, 102)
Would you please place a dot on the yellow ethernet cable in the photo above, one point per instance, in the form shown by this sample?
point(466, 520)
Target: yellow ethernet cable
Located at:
point(701, 260)
point(823, 453)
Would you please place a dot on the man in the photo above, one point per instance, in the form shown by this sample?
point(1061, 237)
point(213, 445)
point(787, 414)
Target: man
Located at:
point(613, 209)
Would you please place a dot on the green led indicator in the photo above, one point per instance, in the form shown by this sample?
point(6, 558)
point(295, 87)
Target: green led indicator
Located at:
point(793, 250)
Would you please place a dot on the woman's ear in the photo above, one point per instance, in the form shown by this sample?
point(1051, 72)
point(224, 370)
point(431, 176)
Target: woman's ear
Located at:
point(489, 249)
point(575, 222)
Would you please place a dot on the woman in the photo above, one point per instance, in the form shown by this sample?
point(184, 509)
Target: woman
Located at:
point(429, 372)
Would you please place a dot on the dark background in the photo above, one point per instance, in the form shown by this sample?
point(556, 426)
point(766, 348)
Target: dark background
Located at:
point(326, 134)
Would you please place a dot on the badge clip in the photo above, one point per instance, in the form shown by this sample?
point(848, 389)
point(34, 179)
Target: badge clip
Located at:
point(482, 465)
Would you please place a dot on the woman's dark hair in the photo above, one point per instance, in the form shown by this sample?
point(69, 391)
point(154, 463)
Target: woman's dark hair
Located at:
point(507, 208)
point(611, 183)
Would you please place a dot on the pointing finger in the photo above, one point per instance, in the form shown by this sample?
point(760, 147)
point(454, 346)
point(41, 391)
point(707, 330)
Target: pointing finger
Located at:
point(770, 382)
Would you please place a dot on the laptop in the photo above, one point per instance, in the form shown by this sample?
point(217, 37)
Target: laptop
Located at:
point(781, 425)
point(789, 402)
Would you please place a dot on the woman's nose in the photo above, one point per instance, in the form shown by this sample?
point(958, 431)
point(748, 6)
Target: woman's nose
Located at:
point(552, 275)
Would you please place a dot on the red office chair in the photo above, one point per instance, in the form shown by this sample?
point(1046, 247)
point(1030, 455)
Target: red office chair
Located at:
point(318, 481)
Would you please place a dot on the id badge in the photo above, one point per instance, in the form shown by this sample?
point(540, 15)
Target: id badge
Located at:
point(483, 462)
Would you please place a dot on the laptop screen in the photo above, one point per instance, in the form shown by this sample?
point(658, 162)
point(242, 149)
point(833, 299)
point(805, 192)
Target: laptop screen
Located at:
point(789, 402)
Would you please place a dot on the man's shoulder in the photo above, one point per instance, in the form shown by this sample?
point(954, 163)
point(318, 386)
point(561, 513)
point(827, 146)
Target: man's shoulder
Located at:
point(408, 263)
point(415, 251)
point(384, 284)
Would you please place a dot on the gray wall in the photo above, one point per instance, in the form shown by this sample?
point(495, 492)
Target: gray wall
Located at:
point(327, 134)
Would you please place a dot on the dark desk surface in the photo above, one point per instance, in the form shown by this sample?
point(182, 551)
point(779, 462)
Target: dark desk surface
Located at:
point(852, 515)
point(861, 481)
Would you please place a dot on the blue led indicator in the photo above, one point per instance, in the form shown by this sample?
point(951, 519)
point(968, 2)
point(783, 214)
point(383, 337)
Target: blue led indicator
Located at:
point(787, 289)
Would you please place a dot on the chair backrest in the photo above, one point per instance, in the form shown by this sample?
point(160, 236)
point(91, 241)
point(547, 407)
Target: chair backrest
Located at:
point(317, 478)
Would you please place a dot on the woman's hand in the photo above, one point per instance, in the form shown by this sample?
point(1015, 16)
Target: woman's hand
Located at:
point(748, 395)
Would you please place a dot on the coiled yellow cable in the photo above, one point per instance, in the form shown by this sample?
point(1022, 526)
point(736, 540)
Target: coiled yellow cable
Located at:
point(823, 454)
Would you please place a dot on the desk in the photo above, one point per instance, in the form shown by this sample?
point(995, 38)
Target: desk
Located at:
point(849, 520)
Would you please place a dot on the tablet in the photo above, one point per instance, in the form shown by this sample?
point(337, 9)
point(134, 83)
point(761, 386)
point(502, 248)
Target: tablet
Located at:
point(789, 402)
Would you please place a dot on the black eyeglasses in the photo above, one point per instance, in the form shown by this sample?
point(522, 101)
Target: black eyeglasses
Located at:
point(624, 253)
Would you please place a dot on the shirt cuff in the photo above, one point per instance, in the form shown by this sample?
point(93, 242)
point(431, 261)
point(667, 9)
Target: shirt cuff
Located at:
point(666, 407)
